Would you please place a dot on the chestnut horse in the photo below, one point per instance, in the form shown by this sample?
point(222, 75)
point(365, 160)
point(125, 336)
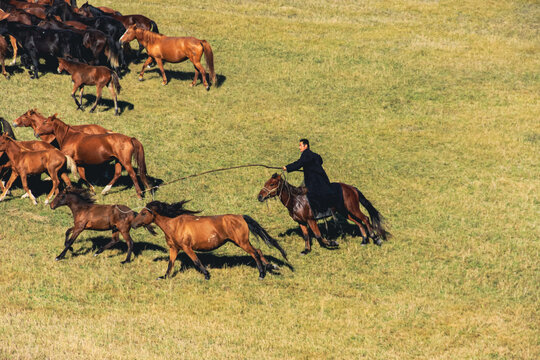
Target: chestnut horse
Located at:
point(88, 149)
point(89, 216)
point(100, 76)
point(25, 162)
point(295, 200)
point(184, 231)
point(33, 119)
point(174, 50)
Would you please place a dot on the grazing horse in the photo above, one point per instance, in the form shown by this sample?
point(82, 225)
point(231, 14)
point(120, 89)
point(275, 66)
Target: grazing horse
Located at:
point(25, 162)
point(88, 149)
point(184, 231)
point(89, 216)
point(295, 200)
point(100, 76)
point(173, 49)
point(33, 119)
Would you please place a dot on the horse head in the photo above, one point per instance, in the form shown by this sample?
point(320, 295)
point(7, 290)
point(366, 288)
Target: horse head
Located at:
point(25, 119)
point(129, 35)
point(270, 188)
point(46, 127)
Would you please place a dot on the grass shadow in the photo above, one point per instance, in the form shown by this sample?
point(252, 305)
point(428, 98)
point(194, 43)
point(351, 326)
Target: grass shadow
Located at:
point(89, 99)
point(185, 76)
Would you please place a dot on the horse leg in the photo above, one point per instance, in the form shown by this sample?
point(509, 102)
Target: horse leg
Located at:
point(315, 228)
point(82, 174)
point(81, 91)
point(66, 180)
point(114, 240)
point(195, 78)
point(189, 252)
point(53, 173)
point(76, 230)
point(24, 181)
point(146, 63)
point(113, 94)
point(133, 176)
point(13, 42)
point(199, 66)
point(358, 217)
point(305, 233)
point(173, 253)
point(117, 173)
point(75, 87)
point(365, 238)
point(99, 87)
point(247, 247)
point(265, 262)
point(129, 241)
point(68, 232)
point(12, 178)
point(4, 72)
point(160, 64)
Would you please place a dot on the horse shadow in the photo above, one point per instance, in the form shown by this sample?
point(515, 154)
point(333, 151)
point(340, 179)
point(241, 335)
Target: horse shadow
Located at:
point(105, 104)
point(12, 70)
point(184, 76)
point(97, 242)
point(102, 174)
point(37, 186)
point(214, 261)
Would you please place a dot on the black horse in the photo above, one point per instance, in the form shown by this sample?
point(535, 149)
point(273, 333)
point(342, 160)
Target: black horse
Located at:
point(38, 43)
point(5, 128)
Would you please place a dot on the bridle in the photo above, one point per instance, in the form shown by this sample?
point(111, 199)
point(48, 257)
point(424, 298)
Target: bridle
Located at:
point(278, 189)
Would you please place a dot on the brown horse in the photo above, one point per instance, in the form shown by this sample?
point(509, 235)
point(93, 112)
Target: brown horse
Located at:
point(295, 200)
point(3, 54)
point(32, 118)
point(100, 76)
point(173, 49)
point(88, 149)
point(89, 216)
point(25, 162)
point(184, 231)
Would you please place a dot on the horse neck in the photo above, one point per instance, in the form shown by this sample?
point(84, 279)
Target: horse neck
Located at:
point(164, 223)
point(70, 67)
point(60, 131)
point(286, 196)
point(75, 204)
point(13, 150)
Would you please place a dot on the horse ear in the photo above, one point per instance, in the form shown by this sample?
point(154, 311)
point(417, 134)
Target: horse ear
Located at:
point(4, 16)
point(274, 175)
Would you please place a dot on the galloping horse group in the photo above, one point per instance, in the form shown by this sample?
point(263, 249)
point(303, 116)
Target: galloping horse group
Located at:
point(85, 42)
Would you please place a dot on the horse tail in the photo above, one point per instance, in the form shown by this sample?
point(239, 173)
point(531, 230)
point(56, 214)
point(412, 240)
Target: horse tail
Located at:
point(72, 166)
point(116, 81)
point(261, 232)
point(153, 26)
point(141, 162)
point(112, 52)
point(209, 55)
point(377, 219)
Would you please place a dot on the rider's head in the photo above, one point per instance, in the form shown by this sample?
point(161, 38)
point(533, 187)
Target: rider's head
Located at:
point(303, 145)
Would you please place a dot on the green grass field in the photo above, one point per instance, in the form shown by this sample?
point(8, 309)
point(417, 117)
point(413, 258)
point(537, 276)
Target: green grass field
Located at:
point(431, 108)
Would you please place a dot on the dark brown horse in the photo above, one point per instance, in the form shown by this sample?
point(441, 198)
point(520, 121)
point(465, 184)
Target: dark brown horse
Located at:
point(32, 118)
point(100, 76)
point(185, 231)
point(25, 162)
point(88, 149)
point(295, 200)
point(3, 54)
point(89, 216)
point(174, 50)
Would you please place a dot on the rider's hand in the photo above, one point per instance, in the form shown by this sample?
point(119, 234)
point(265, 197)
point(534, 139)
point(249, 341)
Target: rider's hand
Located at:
point(284, 168)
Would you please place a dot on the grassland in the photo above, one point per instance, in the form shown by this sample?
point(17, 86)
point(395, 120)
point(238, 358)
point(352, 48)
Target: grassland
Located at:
point(430, 107)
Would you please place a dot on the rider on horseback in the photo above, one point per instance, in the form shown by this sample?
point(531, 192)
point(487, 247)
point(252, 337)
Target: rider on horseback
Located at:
point(320, 193)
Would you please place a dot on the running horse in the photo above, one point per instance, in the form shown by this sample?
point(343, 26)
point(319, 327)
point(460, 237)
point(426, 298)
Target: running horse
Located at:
point(295, 200)
point(24, 162)
point(88, 149)
point(174, 50)
point(90, 216)
point(188, 232)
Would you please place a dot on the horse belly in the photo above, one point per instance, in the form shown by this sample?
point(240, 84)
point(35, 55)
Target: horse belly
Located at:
point(91, 154)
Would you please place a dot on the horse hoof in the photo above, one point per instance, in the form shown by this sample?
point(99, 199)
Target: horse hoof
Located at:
point(163, 83)
point(261, 277)
point(207, 277)
point(378, 242)
point(91, 111)
point(58, 258)
point(140, 78)
point(208, 88)
point(124, 262)
point(97, 253)
point(333, 244)
point(305, 252)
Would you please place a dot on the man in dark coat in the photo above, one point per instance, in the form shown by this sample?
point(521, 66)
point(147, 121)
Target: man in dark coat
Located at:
point(321, 194)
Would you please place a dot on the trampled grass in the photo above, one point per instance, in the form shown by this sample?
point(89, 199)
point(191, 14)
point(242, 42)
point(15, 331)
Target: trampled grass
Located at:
point(431, 108)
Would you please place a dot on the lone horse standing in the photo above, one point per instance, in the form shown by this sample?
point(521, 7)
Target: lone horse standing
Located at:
point(174, 50)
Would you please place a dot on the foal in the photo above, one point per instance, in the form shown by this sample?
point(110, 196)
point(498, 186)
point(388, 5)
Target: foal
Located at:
point(25, 162)
point(89, 216)
point(100, 76)
point(184, 231)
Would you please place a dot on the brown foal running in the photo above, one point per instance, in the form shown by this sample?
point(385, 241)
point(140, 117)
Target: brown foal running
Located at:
point(174, 50)
point(184, 231)
point(24, 163)
point(89, 216)
point(100, 76)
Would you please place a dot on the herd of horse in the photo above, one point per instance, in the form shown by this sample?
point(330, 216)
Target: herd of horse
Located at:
point(54, 30)
point(65, 148)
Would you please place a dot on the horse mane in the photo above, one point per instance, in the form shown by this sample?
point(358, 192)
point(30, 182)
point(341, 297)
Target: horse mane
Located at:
point(170, 210)
point(295, 190)
point(5, 128)
point(150, 36)
point(82, 194)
